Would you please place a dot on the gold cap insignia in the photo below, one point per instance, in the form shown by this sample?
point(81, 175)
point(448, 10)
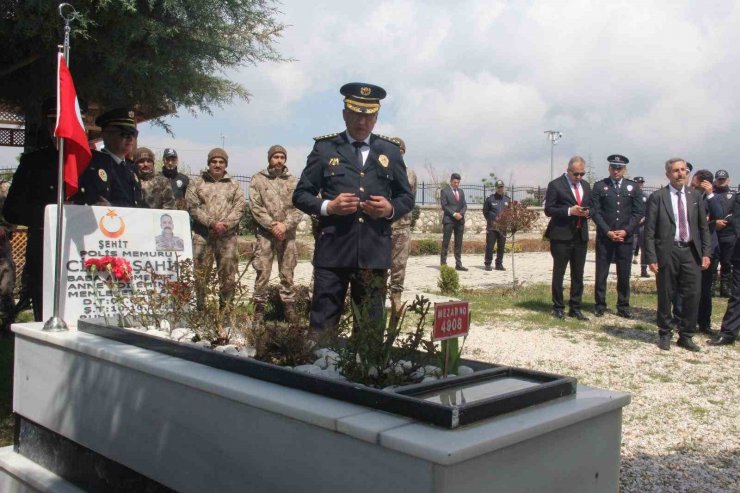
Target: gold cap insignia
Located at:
point(365, 91)
point(103, 175)
point(383, 160)
point(130, 114)
point(334, 161)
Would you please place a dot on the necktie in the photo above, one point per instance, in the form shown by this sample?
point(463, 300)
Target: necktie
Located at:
point(457, 197)
point(616, 185)
point(578, 201)
point(682, 227)
point(359, 161)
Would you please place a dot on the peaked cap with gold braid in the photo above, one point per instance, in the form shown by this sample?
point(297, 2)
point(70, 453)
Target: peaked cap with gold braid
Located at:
point(362, 98)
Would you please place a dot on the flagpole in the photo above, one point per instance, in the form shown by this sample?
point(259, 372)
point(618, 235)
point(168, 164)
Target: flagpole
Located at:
point(56, 323)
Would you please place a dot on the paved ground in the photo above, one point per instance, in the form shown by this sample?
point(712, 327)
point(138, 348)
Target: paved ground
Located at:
point(422, 273)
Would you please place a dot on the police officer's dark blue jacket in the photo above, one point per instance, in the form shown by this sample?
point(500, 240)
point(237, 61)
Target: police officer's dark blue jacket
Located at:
point(34, 186)
point(355, 240)
point(493, 207)
point(115, 182)
point(614, 209)
point(726, 198)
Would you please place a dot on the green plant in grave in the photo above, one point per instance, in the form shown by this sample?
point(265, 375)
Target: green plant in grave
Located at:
point(370, 348)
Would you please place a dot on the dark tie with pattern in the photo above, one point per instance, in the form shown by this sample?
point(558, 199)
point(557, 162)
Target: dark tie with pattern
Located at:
point(682, 227)
point(359, 162)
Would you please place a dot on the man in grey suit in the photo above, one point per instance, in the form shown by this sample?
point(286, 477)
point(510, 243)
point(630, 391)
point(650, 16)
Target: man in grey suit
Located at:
point(454, 207)
point(677, 248)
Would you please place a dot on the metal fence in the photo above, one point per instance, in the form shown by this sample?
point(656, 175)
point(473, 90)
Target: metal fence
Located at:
point(428, 193)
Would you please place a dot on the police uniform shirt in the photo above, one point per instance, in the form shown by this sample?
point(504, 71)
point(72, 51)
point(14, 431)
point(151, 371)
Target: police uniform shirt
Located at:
point(617, 205)
point(355, 240)
point(111, 178)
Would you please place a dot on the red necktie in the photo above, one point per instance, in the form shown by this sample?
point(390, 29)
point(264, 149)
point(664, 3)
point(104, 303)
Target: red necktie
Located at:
point(457, 198)
point(682, 227)
point(578, 201)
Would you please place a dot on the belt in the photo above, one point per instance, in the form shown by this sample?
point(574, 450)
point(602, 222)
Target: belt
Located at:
point(681, 244)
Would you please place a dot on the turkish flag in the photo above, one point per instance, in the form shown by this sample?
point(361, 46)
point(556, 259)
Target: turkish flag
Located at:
point(77, 153)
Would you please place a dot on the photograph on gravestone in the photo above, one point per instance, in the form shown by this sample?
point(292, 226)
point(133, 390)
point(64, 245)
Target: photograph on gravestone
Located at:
point(109, 252)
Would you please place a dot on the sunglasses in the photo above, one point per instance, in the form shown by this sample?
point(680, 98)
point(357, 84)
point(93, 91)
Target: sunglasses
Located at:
point(123, 134)
point(578, 174)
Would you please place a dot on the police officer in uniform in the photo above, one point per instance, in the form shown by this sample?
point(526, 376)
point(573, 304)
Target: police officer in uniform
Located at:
point(494, 205)
point(617, 209)
point(34, 186)
point(110, 179)
point(639, 241)
point(363, 184)
point(179, 181)
point(725, 232)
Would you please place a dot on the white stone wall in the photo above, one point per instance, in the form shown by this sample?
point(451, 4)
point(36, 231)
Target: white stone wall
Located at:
point(430, 220)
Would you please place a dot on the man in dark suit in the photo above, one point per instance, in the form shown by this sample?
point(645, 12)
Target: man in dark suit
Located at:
point(567, 204)
point(731, 321)
point(677, 248)
point(617, 209)
point(639, 241)
point(110, 178)
point(454, 207)
point(34, 186)
point(363, 184)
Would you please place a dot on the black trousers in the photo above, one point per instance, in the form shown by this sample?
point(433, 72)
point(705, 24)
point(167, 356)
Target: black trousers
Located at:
point(681, 273)
point(608, 251)
point(566, 252)
point(457, 227)
point(731, 319)
point(330, 289)
point(498, 239)
point(704, 316)
point(33, 271)
point(726, 247)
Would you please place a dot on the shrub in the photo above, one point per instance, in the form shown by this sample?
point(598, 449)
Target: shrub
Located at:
point(449, 281)
point(425, 247)
point(247, 225)
point(415, 213)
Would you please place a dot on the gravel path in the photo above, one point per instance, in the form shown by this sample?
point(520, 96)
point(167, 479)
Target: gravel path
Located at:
point(680, 433)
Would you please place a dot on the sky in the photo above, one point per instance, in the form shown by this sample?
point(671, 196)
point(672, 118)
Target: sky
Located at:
point(473, 85)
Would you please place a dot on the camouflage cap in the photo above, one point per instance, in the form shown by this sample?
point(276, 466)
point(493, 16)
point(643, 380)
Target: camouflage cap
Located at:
point(142, 153)
point(275, 149)
point(218, 152)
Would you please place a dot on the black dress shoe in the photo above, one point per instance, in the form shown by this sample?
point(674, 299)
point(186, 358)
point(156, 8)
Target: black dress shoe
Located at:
point(624, 313)
point(558, 313)
point(500, 267)
point(721, 340)
point(578, 314)
point(688, 344)
point(664, 342)
point(461, 268)
point(599, 312)
point(489, 268)
point(708, 331)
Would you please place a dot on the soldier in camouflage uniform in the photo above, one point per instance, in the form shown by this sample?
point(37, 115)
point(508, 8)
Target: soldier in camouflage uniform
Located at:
point(401, 238)
point(167, 241)
point(156, 189)
point(7, 267)
point(216, 204)
point(271, 201)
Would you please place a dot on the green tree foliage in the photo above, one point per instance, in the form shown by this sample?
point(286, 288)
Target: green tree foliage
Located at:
point(155, 53)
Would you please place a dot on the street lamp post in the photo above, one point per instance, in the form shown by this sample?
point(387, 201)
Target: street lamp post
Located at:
point(554, 136)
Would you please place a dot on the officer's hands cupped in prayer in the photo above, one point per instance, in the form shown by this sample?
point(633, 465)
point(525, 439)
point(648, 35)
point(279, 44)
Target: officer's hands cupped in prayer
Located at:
point(343, 204)
point(377, 206)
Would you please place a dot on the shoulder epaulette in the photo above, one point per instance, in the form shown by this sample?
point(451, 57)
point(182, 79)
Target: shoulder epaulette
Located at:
point(324, 137)
point(392, 140)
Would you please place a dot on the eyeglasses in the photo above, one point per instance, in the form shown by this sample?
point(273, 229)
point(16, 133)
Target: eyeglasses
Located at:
point(123, 134)
point(578, 174)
